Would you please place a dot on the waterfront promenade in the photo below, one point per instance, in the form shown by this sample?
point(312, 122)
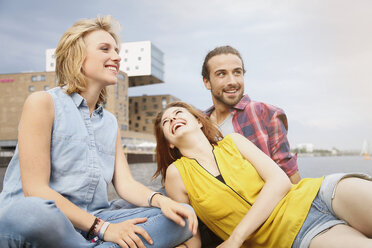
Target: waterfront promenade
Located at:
point(308, 167)
point(142, 172)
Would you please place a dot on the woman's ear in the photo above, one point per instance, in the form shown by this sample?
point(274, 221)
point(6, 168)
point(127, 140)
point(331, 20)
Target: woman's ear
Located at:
point(171, 146)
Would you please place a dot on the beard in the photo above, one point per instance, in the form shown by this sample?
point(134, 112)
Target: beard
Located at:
point(228, 101)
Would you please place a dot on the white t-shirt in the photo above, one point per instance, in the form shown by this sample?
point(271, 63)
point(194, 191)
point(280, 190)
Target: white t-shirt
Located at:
point(226, 127)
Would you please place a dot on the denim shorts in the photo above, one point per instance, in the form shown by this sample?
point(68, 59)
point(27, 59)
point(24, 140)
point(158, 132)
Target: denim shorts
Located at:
point(321, 216)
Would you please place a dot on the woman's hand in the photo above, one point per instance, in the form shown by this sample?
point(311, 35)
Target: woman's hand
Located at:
point(230, 243)
point(181, 246)
point(176, 212)
point(126, 233)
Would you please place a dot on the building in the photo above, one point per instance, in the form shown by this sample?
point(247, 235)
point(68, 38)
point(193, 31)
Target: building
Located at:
point(143, 110)
point(14, 89)
point(142, 64)
point(141, 61)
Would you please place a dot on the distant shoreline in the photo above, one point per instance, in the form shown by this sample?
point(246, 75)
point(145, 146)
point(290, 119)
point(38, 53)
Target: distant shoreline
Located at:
point(326, 155)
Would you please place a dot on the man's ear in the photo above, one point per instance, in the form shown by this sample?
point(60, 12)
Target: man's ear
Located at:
point(207, 83)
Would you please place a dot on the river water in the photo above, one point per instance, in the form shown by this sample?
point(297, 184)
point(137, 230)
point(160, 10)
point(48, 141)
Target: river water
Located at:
point(319, 166)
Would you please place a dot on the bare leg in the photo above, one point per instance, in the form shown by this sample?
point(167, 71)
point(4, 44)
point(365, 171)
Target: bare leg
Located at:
point(341, 236)
point(353, 203)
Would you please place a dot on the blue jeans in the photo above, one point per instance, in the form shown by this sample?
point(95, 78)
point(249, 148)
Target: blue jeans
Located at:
point(35, 222)
point(321, 216)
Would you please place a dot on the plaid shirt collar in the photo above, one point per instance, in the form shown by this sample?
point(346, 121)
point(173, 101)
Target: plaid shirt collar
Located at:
point(239, 106)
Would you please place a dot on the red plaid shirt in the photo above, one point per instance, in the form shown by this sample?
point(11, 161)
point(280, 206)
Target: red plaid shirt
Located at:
point(266, 126)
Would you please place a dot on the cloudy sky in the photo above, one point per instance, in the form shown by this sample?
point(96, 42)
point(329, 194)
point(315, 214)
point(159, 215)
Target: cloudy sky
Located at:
point(311, 58)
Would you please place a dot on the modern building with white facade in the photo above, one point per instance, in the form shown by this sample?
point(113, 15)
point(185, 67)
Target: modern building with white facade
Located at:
point(141, 61)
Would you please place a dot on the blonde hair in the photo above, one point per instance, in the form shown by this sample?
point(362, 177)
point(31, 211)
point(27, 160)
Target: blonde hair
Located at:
point(71, 52)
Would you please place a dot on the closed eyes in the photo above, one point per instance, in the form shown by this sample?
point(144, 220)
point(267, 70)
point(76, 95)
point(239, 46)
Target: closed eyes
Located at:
point(176, 113)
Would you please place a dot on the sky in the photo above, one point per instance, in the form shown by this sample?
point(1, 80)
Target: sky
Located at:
point(311, 58)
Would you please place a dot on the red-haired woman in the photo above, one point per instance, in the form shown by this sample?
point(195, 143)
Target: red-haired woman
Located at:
point(246, 199)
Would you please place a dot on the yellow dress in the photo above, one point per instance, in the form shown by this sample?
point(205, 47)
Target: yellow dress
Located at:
point(222, 206)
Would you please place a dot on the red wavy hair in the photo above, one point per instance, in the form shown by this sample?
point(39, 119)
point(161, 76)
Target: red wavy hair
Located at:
point(165, 155)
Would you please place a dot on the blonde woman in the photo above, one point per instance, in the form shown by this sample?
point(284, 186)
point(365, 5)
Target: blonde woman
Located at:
point(69, 150)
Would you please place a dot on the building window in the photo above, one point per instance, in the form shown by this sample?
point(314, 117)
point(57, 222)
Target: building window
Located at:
point(138, 118)
point(163, 102)
point(127, 68)
point(126, 50)
point(46, 87)
point(142, 49)
point(136, 67)
point(31, 88)
point(130, 122)
point(136, 125)
point(143, 99)
point(143, 128)
point(153, 99)
point(144, 107)
point(124, 127)
point(130, 100)
point(125, 59)
point(155, 106)
point(139, 58)
point(51, 64)
point(38, 78)
point(147, 121)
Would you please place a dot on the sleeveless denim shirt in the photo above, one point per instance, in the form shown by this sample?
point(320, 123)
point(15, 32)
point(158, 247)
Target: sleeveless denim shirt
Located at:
point(82, 154)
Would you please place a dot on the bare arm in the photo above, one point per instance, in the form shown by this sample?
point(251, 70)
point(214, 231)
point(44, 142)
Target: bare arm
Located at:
point(176, 190)
point(295, 178)
point(34, 142)
point(131, 190)
point(126, 186)
point(276, 187)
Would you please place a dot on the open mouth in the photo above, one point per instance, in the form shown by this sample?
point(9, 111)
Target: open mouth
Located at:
point(176, 126)
point(112, 68)
point(231, 91)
